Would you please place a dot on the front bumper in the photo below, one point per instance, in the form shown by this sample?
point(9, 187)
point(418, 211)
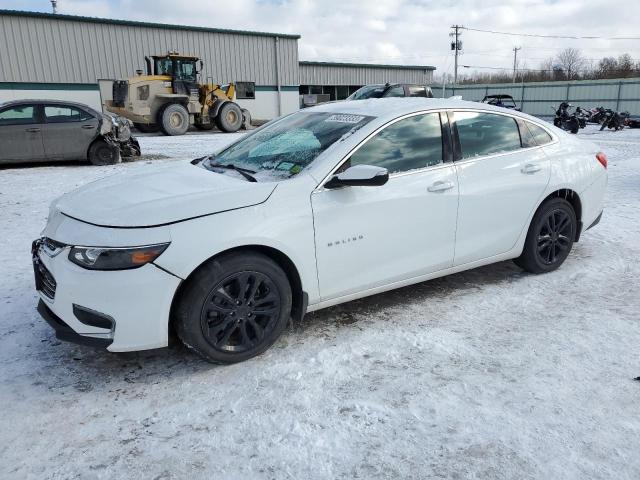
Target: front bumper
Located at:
point(121, 311)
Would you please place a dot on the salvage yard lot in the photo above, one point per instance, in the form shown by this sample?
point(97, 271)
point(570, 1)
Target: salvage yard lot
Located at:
point(490, 373)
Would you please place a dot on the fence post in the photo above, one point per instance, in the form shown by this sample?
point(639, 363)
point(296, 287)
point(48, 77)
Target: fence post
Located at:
point(618, 99)
point(568, 87)
point(522, 98)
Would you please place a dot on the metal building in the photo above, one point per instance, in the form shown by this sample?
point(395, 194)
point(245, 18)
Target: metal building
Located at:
point(339, 80)
point(57, 56)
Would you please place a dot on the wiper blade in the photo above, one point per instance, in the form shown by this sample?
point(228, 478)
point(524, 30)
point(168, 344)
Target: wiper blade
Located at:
point(245, 172)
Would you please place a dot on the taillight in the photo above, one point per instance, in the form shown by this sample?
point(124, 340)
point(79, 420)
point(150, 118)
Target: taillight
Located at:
point(602, 158)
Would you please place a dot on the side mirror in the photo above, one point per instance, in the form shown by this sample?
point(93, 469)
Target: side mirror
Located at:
point(359, 176)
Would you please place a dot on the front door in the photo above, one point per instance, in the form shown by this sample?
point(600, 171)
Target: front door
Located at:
point(501, 182)
point(68, 131)
point(373, 236)
point(20, 134)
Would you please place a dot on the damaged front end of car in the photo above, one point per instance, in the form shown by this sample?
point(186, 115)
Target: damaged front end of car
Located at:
point(116, 131)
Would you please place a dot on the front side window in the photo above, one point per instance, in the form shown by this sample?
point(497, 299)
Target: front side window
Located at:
point(408, 144)
point(283, 148)
point(164, 66)
point(64, 114)
point(483, 134)
point(185, 70)
point(369, 91)
point(21, 115)
point(397, 91)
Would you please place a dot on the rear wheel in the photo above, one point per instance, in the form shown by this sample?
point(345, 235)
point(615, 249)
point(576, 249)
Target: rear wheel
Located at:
point(234, 307)
point(229, 118)
point(174, 119)
point(101, 153)
point(550, 237)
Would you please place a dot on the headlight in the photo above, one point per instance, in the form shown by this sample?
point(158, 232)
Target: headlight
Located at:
point(97, 258)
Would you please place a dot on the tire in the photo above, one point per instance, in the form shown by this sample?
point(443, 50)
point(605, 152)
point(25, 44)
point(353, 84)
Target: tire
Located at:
point(573, 125)
point(229, 118)
point(550, 237)
point(173, 119)
point(147, 127)
point(101, 153)
point(204, 126)
point(217, 316)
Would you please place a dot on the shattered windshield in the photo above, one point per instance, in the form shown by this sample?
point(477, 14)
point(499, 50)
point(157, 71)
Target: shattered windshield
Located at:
point(285, 147)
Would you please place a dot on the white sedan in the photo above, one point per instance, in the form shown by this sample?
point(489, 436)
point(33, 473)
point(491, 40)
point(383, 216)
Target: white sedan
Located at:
point(314, 209)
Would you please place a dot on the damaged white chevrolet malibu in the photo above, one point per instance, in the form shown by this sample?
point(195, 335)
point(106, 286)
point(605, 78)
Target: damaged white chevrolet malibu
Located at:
point(316, 208)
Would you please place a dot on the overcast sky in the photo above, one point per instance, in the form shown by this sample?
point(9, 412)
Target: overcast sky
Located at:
point(394, 31)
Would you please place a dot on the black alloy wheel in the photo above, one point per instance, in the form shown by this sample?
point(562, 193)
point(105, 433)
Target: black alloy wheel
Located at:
point(550, 237)
point(554, 236)
point(233, 307)
point(240, 311)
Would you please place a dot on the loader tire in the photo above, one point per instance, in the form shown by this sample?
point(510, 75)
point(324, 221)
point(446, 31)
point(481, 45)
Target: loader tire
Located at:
point(229, 118)
point(173, 119)
point(101, 153)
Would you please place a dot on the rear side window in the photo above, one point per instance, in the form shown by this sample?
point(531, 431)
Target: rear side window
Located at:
point(483, 134)
point(525, 135)
point(64, 114)
point(21, 115)
point(408, 144)
point(417, 91)
point(539, 134)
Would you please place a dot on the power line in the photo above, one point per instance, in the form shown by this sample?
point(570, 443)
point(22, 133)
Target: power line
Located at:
point(574, 37)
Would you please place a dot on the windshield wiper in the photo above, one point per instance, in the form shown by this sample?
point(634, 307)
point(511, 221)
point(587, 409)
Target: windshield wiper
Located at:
point(245, 172)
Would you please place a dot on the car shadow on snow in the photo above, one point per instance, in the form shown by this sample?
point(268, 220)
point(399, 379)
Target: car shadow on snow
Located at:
point(85, 368)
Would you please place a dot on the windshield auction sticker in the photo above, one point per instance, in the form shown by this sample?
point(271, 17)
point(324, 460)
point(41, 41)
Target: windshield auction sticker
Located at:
point(342, 118)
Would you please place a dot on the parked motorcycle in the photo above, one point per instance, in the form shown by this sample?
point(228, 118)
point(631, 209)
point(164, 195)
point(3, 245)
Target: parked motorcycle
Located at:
point(597, 115)
point(565, 120)
point(583, 115)
point(614, 120)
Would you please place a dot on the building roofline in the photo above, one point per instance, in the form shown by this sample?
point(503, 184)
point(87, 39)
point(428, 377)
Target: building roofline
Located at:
point(133, 23)
point(366, 65)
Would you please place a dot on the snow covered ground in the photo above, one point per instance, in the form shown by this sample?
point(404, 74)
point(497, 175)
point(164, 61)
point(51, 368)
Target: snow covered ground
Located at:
point(486, 374)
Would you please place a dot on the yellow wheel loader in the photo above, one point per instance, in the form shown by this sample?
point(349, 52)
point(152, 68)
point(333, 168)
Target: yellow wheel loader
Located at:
point(170, 98)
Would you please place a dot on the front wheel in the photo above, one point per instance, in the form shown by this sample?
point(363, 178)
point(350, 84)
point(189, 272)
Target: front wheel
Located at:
point(550, 237)
point(101, 153)
point(229, 118)
point(234, 307)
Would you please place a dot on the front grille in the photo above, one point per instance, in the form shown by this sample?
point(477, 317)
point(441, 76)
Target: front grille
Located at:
point(44, 280)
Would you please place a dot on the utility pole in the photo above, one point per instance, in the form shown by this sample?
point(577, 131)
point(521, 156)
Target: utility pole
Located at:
point(515, 61)
point(456, 45)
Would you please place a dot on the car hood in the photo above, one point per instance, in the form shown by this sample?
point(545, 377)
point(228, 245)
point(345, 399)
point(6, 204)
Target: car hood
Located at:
point(159, 196)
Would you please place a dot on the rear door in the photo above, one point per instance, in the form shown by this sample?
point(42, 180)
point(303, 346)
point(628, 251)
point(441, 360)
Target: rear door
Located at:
point(501, 182)
point(21, 134)
point(368, 237)
point(67, 132)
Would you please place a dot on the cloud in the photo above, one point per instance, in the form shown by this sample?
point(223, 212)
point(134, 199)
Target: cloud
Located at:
point(399, 31)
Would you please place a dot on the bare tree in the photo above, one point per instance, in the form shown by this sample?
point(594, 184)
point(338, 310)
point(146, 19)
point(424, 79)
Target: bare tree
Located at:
point(571, 61)
point(625, 66)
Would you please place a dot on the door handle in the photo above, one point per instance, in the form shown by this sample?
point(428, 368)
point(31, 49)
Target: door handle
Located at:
point(531, 168)
point(87, 127)
point(32, 130)
point(440, 186)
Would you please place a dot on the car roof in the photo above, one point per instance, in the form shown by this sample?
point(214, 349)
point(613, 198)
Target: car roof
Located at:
point(29, 101)
point(388, 108)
